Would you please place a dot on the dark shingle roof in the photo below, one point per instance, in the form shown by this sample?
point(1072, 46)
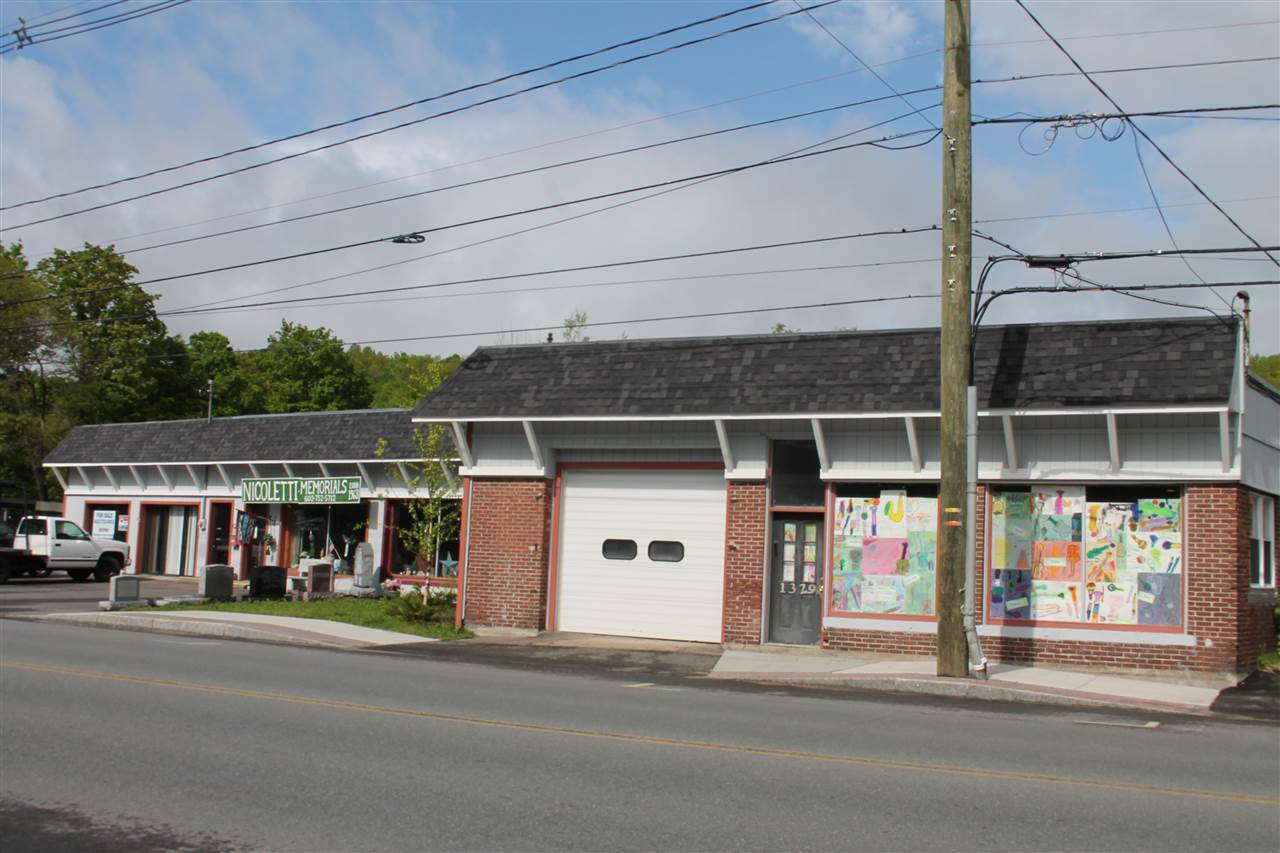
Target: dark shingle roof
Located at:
point(310, 436)
point(1038, 366)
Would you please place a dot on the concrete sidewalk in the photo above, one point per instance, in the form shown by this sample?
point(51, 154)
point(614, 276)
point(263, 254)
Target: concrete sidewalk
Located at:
point(290, 630)
point(1179, 692)
point(1174, 692)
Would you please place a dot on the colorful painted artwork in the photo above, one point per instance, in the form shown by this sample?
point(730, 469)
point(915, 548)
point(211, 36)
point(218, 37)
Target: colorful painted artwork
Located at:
point(789, 532)
point(884, 554)
point(1159, 598)
point(1125, 558)
point(1011, 594)
point(1055, 601)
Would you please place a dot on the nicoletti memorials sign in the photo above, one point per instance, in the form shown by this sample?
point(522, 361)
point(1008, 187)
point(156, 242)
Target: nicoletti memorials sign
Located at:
point(298, 490)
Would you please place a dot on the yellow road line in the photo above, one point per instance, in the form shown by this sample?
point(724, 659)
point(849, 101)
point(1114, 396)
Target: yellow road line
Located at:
point(652, 740)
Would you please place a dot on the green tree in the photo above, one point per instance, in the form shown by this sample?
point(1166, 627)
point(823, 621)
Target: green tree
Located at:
point(305, 370)
point(434, 510)
point(401, 380)
point(118, 357)
point(30, 425)
point(212, 358)
point(573, 326)
point(1267, 366)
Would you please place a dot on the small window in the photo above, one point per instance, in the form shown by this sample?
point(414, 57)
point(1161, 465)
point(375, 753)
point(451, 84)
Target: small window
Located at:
point(1262, 538)
point(69, 530)
point(32, 527)
point(666, 552)
point(618, 549)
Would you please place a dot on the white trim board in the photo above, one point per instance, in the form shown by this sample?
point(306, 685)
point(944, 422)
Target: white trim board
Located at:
point(846, 416)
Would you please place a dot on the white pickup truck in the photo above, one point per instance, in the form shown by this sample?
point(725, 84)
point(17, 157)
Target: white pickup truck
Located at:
point(43, 545)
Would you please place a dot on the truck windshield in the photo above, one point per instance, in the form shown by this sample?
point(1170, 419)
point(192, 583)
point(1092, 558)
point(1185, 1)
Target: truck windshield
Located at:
point(33, 527)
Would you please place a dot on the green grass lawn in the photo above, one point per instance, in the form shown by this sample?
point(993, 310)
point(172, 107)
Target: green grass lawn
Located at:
point(368, 612)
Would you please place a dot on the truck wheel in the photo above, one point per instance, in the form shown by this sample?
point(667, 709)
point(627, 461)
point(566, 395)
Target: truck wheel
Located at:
point(4, 572)
point(79, 575)
point(107, 566)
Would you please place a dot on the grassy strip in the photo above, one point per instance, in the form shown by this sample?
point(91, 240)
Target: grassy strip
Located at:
point(366, 612)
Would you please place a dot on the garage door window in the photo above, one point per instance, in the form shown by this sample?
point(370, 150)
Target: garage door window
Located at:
point(666, 552)
point(618, 549)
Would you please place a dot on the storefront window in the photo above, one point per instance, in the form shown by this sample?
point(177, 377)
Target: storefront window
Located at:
point(325, 531)
point(1097, 555)
point(403, 559)
point(884, 550)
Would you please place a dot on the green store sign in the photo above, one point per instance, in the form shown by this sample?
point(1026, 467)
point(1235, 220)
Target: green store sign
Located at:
point(301, 490)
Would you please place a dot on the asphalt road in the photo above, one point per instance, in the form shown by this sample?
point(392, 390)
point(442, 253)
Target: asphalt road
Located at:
point(58, 593)
point(112, 740)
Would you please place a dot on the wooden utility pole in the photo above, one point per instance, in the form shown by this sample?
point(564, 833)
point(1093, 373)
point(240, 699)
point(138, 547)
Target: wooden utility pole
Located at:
point(957, 248)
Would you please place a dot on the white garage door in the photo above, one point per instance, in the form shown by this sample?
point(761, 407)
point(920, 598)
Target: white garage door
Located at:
point(670, 582)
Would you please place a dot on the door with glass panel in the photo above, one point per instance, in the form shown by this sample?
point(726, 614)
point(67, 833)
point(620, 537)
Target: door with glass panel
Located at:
point(795, 579)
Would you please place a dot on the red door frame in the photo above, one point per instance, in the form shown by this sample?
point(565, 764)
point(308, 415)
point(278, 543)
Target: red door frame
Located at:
point(142, 537)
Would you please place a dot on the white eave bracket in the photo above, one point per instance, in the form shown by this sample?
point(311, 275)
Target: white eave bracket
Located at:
point(1113, 442)
point(111, 478)
point(726, 449)
point(1010, 443)
point(913, 443)
point(820, 440)
point(460, 441)
point(164, 475)
point(58, 475)
point(535, 448)
point(1224, 440)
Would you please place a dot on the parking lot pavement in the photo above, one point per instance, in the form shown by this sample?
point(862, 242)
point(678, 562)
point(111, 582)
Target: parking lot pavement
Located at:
point(60, 594)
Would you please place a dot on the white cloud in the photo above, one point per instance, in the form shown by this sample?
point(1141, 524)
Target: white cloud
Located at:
point(263, 68)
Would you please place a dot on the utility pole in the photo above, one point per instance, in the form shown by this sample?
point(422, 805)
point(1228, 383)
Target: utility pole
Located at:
point(957, 249)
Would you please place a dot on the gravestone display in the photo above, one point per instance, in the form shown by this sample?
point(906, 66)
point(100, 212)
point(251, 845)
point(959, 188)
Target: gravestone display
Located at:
point(267, 582)
point(366, 572)
point(216, 581)
point(124, 589)
point(320, 578)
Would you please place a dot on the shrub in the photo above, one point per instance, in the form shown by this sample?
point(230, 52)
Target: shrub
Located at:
point(436, 606)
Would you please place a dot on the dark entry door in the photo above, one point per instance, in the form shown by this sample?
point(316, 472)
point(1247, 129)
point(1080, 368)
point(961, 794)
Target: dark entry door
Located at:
point(795, 580)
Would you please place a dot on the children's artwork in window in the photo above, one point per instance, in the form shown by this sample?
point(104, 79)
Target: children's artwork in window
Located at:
point(884, 554)
point(1057, 557)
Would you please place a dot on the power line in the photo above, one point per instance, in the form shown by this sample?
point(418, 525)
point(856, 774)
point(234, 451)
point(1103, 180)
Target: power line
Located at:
point(677, 113)
point(1111, 210)
point(1169, 66)
point(410, 235)
point(1129, 33)
point(1187, 111)
point(581, 286)
point(522, 172)
point(451, 111)
point(78, 24)
point(100, 23)
point(31, 24)
point(707, 253)
point(858, 59)
point(1138, 129)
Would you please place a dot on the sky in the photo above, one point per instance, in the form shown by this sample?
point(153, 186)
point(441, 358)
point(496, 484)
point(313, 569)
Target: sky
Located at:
point(210, 76)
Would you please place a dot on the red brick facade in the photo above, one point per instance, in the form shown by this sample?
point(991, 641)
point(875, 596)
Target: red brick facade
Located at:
point(744, 561)
point(509, 532)
point(508, 535)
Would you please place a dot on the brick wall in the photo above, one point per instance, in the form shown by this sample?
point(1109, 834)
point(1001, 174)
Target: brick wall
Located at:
point(508, 536)
point(1257, 628)
point(744, 562)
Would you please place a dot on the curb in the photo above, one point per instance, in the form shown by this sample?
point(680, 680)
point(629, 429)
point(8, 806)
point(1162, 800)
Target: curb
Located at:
point(966, 689)
point(193, 628)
